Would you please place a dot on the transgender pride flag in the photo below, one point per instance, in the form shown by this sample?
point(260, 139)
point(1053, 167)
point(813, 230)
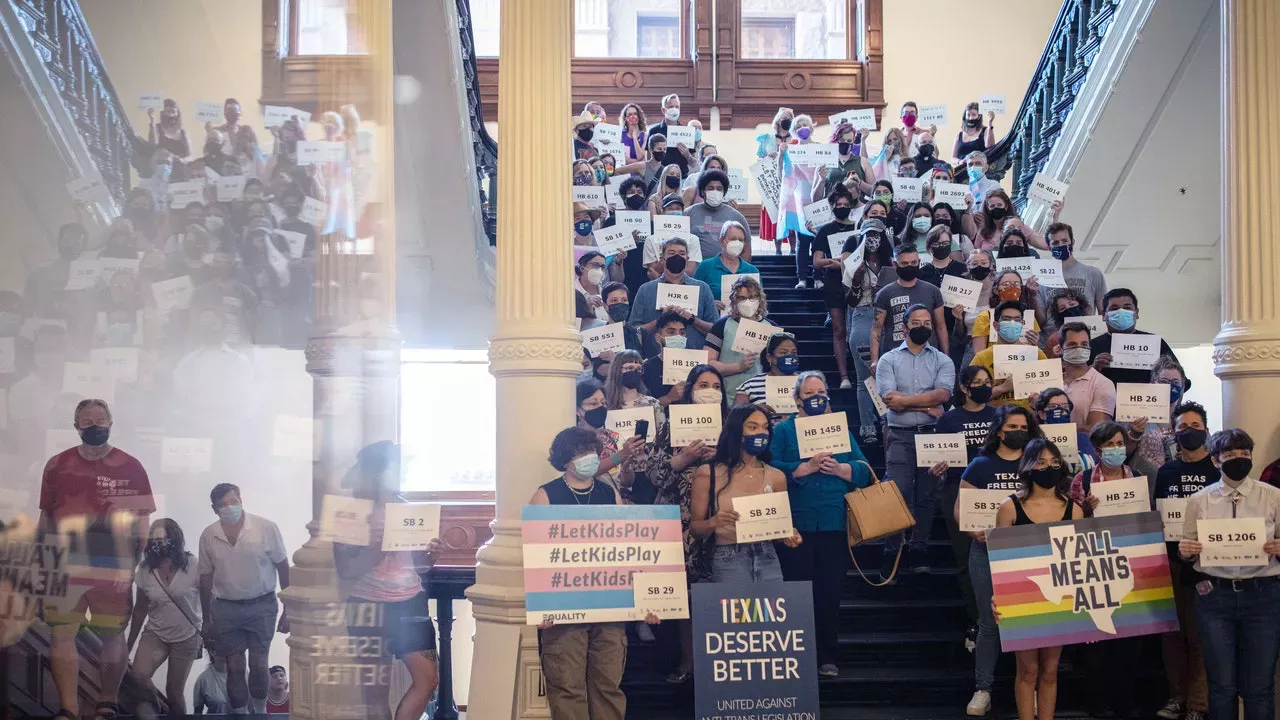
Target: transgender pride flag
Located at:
point(1081, 581)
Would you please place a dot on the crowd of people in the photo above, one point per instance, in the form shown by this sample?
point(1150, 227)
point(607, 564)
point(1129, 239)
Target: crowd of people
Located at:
point(932, 363)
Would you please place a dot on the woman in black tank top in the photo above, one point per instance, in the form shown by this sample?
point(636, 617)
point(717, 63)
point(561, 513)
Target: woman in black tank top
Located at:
point(1041, 499)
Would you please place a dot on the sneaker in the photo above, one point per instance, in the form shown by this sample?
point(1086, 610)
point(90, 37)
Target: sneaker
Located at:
point(817, 284)
point(918, 562)
point(845, 384)
point(828, 671)
point(980, 704)
point(800, 285)
point(1173, 710)
point(679, 677)
point(1194, 715)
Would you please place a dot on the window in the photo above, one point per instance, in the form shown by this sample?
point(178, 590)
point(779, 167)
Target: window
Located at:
point(795, 29)
point(658, 36)
point(328, 27)
point(447, 420)
point(626, 28)
point(484, 26)
point(769, 39)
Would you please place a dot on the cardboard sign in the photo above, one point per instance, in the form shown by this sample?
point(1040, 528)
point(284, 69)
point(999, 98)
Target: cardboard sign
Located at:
point(186, 455)
point(908, 189)
point(954, 194)
point(934, 448)
point(766, 516)
point(959, 292)
point(183, 194)
point(681, 296)
point(778, 391)
point(991, 103)
point(603, 339)
point(978, 508)
point(864, 119)
point(690, 423)
point(1131, 351)
point(1036, 376)
point(726, 285)
point(823, 433)
point(622, 422)
point(819, 213)
point(1173, 511)
point(752, 336)
point(814, 154)
point(613, 240)
point(1046, 189)
point(677, 363)
point(208, 112)
point(1142, 400)
point(410, 526)
point(345, 520)
point(1233, 542)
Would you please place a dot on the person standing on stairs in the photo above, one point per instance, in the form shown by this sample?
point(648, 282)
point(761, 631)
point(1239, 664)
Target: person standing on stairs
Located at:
point(860, 295)
point(914, 379)
point(781, 357)
point(797, 189)
point(889, 329)
point(645, 310)
point(733, 242)
point(828, 263)
point(746, 302)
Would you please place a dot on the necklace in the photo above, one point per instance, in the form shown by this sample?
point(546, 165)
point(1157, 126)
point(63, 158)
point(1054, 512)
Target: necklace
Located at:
point(579, 494)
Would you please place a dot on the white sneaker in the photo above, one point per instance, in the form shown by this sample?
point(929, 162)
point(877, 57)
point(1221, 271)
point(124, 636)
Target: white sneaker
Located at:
point(1172, 710)
point(979, 705)
point(817, 285)
point(800, 285)
point(845, 384)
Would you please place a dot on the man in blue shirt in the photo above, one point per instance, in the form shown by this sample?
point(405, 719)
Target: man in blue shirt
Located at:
point(733, 239)
point(645, 310)
point(914, 379)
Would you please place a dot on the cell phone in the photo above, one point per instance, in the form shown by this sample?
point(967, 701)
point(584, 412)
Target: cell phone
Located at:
point(642, 428)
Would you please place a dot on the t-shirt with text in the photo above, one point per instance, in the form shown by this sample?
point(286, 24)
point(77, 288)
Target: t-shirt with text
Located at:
point(975, 426)
point(992, 472)
point(894, 299)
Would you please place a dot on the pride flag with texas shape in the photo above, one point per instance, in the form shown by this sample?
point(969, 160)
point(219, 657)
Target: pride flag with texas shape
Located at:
point(1081, 581)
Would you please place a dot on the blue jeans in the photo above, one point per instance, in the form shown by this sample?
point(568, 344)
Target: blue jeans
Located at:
point(1240, 633)
point(919, 488)
point(859, 324)
point(988, 644)
point(746, 562)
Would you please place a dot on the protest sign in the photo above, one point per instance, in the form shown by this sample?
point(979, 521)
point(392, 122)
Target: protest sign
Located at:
point(823, 433)
point(410, 526)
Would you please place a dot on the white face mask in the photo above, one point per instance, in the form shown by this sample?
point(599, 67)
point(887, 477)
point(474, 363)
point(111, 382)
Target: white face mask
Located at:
point(714, 198)
point(734, 247)
point(749, 307)
point(671, 114)
point(707, 396)
point(595, 276)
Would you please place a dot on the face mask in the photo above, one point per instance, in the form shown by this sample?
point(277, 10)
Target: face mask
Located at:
point(873, 242)
point(714, 198)
point(595, 276)
point(972, 122)
point(844, 148)
point(586, 134)
point(1076, 356)
point(1061, 252)
point(755, 445)
point(909, 272)
point(1010, 293)
point(707, 396)
point(231, 514)
point(1010, 330)
point(980, 394)
point(619, 312)
point(926, 150)
point(675, 264)
point(814, 404)
point(1175, 393)
point(941, 252)
point(1237, 469)
point(921, 224)
point(909, 119)
point(631, 379)
point(581, 180)
point(1073, 311)
point(95, 435)
point(1121, 319)
point(976, 174)
point(671, 114)
point(920, 335)
point(788, 364)
point(586, 466)
point(672, 181)
point(676, 342)
point(1113, 456)
point(748, 308)
point(997, 213)
point(979, 272)
point(785, 124)
point(582, 227)
point(697, 136)
point(1047, 478)
point(595, 416)
point(1057, 415)
point(1016, 439)
point(804, 133)
point(634, 202)
point(601, 176)
point(841, 213)
point(734, 247)
point(885, 197)
point(1013, 251)
point(159, 549)
point(1191, 438)
point(659, 155)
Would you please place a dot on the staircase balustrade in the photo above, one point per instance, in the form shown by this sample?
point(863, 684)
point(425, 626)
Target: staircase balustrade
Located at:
point(486, 149)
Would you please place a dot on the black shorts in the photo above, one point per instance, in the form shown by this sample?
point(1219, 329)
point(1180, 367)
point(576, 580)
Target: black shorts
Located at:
point(405, 627)
point(833, 293)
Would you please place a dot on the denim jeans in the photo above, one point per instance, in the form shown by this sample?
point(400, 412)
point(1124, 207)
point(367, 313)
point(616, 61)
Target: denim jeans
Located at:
point(1240, 634)
point(987, 651)
point(804, 258)
point(918, 486)
point(746, 562)
point(859, 325)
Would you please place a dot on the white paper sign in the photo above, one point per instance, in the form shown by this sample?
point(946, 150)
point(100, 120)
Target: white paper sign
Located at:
point(1097, 324)
point(864, 119)
point(1036, 376)
point(174, 294)
point(1173, 511)
point(297, 241)
point(1046, 189)
point(681, 296)
point(694, 422)
point(607, 134)
point(151, 101)
point(345, 520)
point(275, 116)
point(183, 194)
point(633, 220)
point(737, 191)
point(313, 211)
point(823, 433)
point(766, 516)
point(84, 274)
point(1004, 357)
point(669, 224)
point(1065, 436)
point(959, 292)
point(89, 188)
point(613, 240)
point(231, 187)
point(1121, 497)
point(1131, 351)
point(186, 455)
point(727, 281)
point(662, 594)
point(592, 195)
point(316, 152)
point(120, 362)
point(603, 339)
point(934, 448)
point(208, 112)
point(1232, 542)
point(623, 422)
point(613, 191)
point(291, 437)
point(777, 394)
point(676, 364)
point(991, 103)
point(814, 154)
point(908, 189)
point(680, 135)
point(1142, 400)
point(753, 336)
point(851, 264)
point(933, 115)
point(819, 213)
point(978, 508)
point(410, 526)
point(874, 390)
point(954, 194)
point(1049, 272)
point(835, 243)
point(86, 380)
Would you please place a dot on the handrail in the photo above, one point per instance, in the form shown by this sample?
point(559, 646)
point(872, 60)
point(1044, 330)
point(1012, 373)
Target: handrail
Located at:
point(486, 149)
point(1073, 42)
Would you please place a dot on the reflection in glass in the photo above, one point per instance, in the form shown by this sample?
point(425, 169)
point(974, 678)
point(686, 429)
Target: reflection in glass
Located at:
point(795, 29)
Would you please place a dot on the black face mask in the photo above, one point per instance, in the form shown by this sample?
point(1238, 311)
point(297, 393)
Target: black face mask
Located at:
point(909, 272)
point(920, 335)
point(980, 394)
point(841, 213)
point(785, 125)
point(659, 155)
point(631, 380)
point(1075, 312)
point(676, 264)
point(972, 122)
point(586, 134)
point(672, 182)
point(1012, 251)
point(95, 435)
point(844, 148)
point(980, 272)
point(926, 150)
point(619, 312)
point(1237, 469)
point(1191, 438)
point(158, 550)
point(941, 251)
point(1016, 439)
point(634, 202)
point(1046, 478)
point(997, 213)
point(595, 417)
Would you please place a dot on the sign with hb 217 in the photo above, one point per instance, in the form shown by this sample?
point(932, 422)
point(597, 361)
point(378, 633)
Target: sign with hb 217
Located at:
point(754, 651)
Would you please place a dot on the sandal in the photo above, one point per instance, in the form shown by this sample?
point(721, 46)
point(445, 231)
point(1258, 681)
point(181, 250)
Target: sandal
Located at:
point(680, 677)
point(106, 710)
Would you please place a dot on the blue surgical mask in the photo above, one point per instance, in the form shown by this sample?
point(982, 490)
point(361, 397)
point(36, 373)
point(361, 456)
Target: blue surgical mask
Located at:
point(922, 224)
point(231, 513)
point(1175, 393)
point(788, 364)
point(1122, 319)
point(1061, 252)
point(1010, 330)
point(586, 466)
point(1113, 456)
point(676, 342)
point(582, 227)
point(755, 444)
point(601, 176)
point(1057, 414)
point(976, 174)
point(814, 405)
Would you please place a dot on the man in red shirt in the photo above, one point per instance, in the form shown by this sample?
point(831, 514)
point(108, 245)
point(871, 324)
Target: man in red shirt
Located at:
point(278, 690)
point(95, 500)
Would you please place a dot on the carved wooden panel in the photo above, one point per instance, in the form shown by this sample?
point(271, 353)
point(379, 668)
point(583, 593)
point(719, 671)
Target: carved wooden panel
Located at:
point(309, 82)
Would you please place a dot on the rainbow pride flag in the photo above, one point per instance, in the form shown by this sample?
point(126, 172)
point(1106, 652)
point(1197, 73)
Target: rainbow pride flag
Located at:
point(1081, 581)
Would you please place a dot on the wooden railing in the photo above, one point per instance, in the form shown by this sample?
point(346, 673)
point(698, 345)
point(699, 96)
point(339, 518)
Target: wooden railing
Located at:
point(1073, 43)
point(484, 146)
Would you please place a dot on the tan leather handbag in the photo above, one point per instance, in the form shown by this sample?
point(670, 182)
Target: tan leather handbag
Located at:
point(873, 512)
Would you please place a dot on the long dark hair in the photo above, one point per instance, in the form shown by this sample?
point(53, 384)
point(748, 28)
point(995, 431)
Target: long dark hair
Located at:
point(178, 554)
point(729, 449)
point(954, 225)
point(694, 374)
point(1003, 413)
point(1030, 456)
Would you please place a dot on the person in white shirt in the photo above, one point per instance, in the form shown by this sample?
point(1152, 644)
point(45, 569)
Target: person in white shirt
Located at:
point(241, 557)
point(210, 695)
point(166, 601)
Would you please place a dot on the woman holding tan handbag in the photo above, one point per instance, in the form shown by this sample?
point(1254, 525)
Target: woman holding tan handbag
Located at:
point(817, 486)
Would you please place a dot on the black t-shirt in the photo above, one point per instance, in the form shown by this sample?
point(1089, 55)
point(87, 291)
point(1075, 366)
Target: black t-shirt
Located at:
point(1102, 344)
point(652, 373)
point(932, 275)
point(822, 242)
point(673, 156)
point(974, 425)
point(634, 273)
point(1180, 479)
point(992, 472)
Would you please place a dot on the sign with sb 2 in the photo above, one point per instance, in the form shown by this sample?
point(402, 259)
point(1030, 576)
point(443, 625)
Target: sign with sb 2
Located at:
point(754, 651)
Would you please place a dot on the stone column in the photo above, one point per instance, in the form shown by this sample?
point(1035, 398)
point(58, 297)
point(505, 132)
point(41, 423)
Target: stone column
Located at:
point(354, 358)
point(534, 352)
point(1247, 349)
